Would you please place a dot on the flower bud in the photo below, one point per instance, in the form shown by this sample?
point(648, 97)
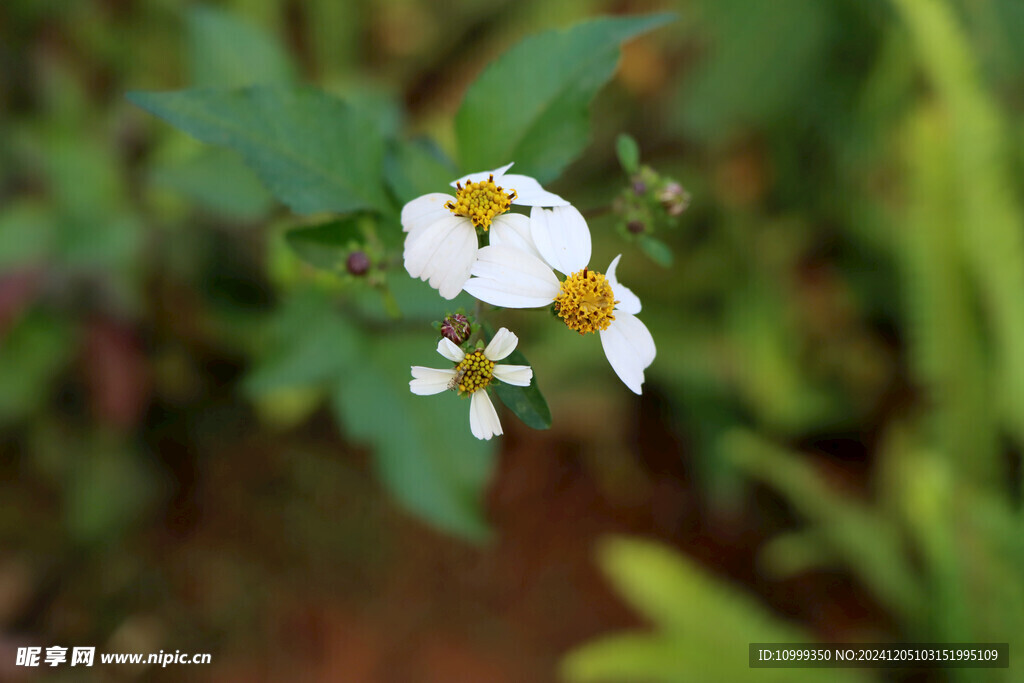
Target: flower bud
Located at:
point(674, 199)
point(636, 227)
point(357, 263)
point(456, 328)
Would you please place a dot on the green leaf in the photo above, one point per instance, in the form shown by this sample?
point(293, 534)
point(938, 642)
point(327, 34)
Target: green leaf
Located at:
point(531, 105)
point(313, 151)
point(227, 52)
point(310, 345)
point(26, 234)
point(32, 354)
point(526, 402)
point(327, 245)
point(656, 250)
point(417, 167)
point(422, 446)
point(628, 152)
point(218, 180)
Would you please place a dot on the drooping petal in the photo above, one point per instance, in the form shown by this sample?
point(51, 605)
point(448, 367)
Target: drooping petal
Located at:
point(429, 381)
point(562, 237)
point(502, 343)
point(483, 420)
point(449, 350)
point(511, 278)
point(482, 175)
point(513, 230)
point(627, 300)
point(519, 375)
point(425, 211)
point(630, 348)
point(443, 254)
point(529, 192)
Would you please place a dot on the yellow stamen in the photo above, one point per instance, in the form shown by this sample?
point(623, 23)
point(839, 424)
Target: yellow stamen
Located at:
point(473, 373)
point(585, 302)
point(480, 202)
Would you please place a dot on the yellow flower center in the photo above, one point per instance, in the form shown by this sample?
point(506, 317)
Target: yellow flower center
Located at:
point(473, 373)
point(585, 302)
point(480, 202)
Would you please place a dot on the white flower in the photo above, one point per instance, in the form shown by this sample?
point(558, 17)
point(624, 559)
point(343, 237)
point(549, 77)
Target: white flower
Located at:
point(471, 376)
point(442, 242)
point(586, 300)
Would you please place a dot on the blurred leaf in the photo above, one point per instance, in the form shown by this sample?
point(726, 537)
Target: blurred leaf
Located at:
point(417, 167)
point(313, 151)
point(531, 105)
point(869, 543)
point(656, 250)
point(991, 216)
point(26, 234)
point(628, 153)
point(423, 449)
point(107, 487)
point(526, 402)
point(227, 52)
point(327, 245)
point(32, 354)
point(761, 62)
point(702, 626)
point(947, 354)
point(309, 345)
point(218, 180)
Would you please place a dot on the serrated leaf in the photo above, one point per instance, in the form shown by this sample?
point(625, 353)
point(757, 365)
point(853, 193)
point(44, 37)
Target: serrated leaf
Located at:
point(226, 51)
point(313, 151)
point(327, 245)
point(531, 106)
point(527, 403)
point(656, 250)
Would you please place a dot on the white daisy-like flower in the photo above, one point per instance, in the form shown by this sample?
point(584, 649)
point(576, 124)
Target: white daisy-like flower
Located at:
point(586, 300)
point(471, 376)
point(442, 242)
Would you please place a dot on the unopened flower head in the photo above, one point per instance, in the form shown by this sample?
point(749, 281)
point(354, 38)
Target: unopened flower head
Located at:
point(472, 374)
point(441, 245)
point(457, 328)
point(522, 276)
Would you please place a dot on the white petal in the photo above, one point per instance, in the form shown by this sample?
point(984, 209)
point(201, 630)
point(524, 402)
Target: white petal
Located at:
point(482, 175)
point(424, 211)
point(443, 254)
point(429, 381)
point(513, 277)
point(630, 348)
point(502, 343)
point(483, 420)
point(562, 237)
point(529, 192)
point(519, 375)
point(449, 350)
point(528, 274)
point(513, 230)
point(627, 300)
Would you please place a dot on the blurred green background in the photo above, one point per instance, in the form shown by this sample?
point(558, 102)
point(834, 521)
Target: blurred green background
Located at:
point(194, 456)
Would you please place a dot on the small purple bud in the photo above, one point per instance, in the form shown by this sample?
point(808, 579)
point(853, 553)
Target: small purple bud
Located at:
point(357, 263)
point(639, 187)
point(456, 328)
point(636, 227)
